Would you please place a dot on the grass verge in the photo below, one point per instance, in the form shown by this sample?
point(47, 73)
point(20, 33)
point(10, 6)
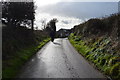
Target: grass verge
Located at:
point(12, 66)
point(107, 63)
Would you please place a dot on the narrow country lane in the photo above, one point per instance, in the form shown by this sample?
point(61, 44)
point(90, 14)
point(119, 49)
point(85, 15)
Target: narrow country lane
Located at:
point(59, 60)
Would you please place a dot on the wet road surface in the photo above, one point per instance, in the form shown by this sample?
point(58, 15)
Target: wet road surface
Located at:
point(58, 60)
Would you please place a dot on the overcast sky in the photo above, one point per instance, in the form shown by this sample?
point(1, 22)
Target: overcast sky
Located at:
point(71, 12)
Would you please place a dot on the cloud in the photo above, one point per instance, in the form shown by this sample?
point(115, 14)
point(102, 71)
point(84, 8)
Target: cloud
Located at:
point(81, 9)
point(63, 21)
point(73, 13)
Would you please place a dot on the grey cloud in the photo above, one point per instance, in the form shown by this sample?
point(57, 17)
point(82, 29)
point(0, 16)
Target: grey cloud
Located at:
point(81, 10)
point(65, 22)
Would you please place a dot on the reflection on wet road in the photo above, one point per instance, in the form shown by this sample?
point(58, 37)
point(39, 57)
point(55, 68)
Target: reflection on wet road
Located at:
point(58, 60)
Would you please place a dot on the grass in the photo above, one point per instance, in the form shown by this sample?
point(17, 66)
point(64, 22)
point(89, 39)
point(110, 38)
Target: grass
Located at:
point(96, 53)
point(13, 65)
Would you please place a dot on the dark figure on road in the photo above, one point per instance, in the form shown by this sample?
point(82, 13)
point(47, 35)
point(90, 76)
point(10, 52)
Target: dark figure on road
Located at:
point(52, 29)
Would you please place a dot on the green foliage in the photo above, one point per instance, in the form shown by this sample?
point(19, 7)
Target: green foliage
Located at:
point(18, 12)
point(97, 54)
point(13, 65)
point(115, 71)
point(94, 27)
point(113, 60)
point(98, 41)
point(18, 45)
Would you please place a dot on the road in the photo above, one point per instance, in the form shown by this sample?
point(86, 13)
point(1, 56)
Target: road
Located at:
point(58, 60)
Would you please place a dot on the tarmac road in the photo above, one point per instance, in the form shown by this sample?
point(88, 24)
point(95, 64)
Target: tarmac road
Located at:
point(59, 59)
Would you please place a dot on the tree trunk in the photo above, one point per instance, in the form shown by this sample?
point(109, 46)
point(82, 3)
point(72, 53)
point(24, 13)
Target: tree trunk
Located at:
point(32, 27)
